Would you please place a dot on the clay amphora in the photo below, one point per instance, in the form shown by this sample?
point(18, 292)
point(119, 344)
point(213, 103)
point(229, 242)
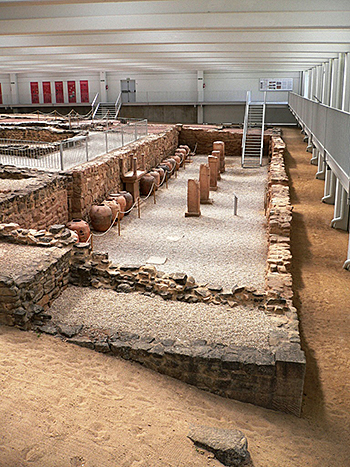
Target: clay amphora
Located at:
point(178, 161)
point(115, 208)
point(146, 182)
point(120, 199)
point(101, 217)
point(156, 176)
point(81, 228)
point(128, 198)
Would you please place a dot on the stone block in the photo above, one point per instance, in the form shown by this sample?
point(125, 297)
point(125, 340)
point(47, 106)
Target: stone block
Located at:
point(193, 199)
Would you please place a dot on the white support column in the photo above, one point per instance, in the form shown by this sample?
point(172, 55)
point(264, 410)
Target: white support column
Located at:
point(341, 208)
point(329, 186)
point(334, 82)
point(340, 80)
point(320, 175)
point(200, 96)
point(103, 84)
point(346, 84)
point(327, 82)
point(14, 88)
point(314, 158)
point(346, 265)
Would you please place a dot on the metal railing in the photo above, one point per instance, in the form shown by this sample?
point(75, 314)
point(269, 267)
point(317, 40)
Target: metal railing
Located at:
point(329, 129)
point(94, 105)
point(245, 124)
point(63, 155)
point(262, 130)
point(118, 104)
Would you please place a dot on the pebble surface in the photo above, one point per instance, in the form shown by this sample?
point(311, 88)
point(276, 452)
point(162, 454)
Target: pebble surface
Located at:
point(153, 316)
point(216, 248)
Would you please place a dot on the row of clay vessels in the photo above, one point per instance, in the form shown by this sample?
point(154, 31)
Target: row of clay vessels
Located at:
point(156, 176)
point(115, 206)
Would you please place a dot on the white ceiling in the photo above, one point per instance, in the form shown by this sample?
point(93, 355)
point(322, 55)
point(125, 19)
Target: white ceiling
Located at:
point(236, 35)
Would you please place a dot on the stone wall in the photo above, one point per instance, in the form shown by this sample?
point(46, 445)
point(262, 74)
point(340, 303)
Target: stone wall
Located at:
point(90, 183)
point(26, 295)
point(38, 204)
point(204, 138)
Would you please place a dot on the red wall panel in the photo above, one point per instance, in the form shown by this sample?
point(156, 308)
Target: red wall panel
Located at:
point(84, 91)
point(59, 92)
point(72, 96)
point(47, 92)
point(34, 90)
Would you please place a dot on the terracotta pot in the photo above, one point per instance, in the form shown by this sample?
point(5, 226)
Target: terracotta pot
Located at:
point(167, 170)
point(146, 182)
point(120, 199)
point(115, 208)
point(187, 148)
point(101, 217)
point(182, 154)
point(81, 228)
point(178, 161)
point(156, 176)
point(128, 198)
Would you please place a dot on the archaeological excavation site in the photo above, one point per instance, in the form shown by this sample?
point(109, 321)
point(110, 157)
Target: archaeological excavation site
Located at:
point(163, 249)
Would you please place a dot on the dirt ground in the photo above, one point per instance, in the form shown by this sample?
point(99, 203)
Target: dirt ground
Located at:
point(65, 406)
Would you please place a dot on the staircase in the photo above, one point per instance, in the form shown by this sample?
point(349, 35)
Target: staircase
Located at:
point(253, 134)
point(104, 110)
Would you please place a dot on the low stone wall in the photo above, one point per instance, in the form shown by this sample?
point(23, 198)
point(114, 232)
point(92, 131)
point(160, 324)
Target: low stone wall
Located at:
point(279, 216)
point(25, 297)
point(91, 182)
point(41, 203)
point(204, 138)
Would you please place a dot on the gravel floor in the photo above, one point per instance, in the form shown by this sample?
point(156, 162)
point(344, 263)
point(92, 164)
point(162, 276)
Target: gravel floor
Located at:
point(153, 316)
point(216, 248)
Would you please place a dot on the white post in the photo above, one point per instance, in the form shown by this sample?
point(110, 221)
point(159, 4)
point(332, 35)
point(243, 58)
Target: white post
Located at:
point(103, 83)
point(14, 88)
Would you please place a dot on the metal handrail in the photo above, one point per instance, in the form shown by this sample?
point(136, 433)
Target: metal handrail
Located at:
point(94, 107)
point(118, 104)
point(245, 124)
point(262, 130)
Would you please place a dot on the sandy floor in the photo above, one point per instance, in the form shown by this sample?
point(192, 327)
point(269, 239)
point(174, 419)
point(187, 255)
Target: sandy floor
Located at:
point(64, 406)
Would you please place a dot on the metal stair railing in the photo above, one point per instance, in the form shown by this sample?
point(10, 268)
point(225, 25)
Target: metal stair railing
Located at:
point(245, 126)
point(118, 104)
point(94, 106)
point(262, 130)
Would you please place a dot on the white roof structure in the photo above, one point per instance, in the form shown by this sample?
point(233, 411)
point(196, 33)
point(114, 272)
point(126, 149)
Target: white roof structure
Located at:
point(161, 36)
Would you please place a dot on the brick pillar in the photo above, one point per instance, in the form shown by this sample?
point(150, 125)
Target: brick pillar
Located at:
point(220, 146)
point(217, 154)
point(213, 167)
point(204, 184)
point(193, 199)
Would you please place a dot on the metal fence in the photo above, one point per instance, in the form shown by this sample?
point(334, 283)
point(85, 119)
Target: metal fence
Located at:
point(63, 155)
point(329, 129)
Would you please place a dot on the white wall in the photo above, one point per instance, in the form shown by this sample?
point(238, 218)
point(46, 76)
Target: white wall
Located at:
point(5, 88)
point(24, 81)
point(233, 86)
point(156, 87)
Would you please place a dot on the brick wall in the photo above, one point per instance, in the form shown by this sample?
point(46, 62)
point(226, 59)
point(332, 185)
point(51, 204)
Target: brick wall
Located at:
point(42, 203)
point(90, 183)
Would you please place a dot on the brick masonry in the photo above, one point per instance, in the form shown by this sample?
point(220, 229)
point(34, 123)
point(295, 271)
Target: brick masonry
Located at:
point(42, 203)
point(273, 378)
point(90, 183)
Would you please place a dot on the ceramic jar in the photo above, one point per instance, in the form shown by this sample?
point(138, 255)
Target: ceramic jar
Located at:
point(146, 182)
point(81, 228)
point(101, 217)
point(115, 208)
point(128, 198)
point(156, 176)
point(120, 199)
point(178, 161)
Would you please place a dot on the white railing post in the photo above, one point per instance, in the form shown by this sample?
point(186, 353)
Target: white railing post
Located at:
point(262, 130)
point(61, 156)
point(245, 125)
point(87, 148)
